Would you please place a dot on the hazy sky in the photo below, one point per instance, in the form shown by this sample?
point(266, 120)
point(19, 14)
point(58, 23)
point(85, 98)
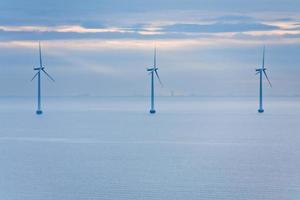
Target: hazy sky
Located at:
point(103, 47)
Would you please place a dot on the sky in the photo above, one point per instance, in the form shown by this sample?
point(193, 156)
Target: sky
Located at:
point(103, 47)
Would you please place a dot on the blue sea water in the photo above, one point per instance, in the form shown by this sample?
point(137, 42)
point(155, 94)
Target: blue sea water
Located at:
point(111, 148)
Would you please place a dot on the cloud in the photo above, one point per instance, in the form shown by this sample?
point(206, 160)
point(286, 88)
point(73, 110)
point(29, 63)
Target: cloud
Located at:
point(165, 44)
point(235, 18)
point(218, 27)
point(106, 45)
point(232, 29)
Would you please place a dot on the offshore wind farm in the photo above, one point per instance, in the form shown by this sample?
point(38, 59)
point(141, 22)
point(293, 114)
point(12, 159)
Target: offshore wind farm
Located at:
point(110, 148)
point(152, 100)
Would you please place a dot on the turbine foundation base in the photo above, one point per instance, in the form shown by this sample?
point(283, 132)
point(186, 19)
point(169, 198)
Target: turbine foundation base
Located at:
point(39, 112)
point(261, 110)
point(152, 111)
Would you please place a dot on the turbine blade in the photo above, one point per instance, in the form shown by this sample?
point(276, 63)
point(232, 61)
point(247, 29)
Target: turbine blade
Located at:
point(35, 75)
point(263, 64)
point(150, 69)
point(155, 57)
point(267, 78)
point(48, 75)
point(158, 78)
point(40, 51)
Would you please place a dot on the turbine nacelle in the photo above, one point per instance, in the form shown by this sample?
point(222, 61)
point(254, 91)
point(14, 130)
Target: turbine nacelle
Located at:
point(153, 69)
point(261, 69)
point(38, 68)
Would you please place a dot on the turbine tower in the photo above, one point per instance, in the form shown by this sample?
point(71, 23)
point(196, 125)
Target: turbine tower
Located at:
point(40, 69)
point(152, 71)
point(262, 71)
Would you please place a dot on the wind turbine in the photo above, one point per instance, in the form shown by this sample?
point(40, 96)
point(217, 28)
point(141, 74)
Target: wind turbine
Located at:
point(152, 71)
point(262, 71)
point(40, 69)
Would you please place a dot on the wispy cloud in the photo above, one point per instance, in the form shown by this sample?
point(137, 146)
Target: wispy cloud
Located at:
point(229, 29)
point(218, 27)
